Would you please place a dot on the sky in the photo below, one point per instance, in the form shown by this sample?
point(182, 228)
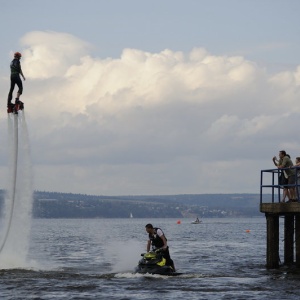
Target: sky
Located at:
point(145, 98)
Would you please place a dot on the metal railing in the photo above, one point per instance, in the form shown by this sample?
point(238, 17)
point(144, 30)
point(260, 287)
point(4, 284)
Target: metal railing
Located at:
point(275, 185)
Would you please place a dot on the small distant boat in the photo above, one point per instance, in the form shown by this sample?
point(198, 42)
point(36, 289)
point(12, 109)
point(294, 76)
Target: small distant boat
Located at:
point(130, 216)
point(197, 221)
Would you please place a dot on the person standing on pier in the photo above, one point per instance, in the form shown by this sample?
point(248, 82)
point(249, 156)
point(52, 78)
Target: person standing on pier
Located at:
point(282, 181)
point(283, 163)
point(297, 166)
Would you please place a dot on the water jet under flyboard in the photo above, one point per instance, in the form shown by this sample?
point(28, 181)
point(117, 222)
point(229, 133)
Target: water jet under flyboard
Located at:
point(16, 214)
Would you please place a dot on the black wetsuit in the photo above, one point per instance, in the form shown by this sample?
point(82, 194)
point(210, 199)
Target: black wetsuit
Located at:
point(15, 70)
point(157, 242)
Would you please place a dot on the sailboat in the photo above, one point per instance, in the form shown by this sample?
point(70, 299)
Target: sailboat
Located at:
point(130, 216)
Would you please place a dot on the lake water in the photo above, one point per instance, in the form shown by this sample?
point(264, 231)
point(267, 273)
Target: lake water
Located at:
point(95, 259)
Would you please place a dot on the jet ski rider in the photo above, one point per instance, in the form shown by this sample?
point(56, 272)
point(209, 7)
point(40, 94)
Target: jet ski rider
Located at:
point(158, 241)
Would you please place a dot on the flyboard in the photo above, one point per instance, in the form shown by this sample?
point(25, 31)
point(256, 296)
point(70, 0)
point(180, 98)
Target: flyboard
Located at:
point(13, 109)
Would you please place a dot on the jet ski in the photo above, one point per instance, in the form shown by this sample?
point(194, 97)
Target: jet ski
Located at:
point(197, 221)
point(153, 262)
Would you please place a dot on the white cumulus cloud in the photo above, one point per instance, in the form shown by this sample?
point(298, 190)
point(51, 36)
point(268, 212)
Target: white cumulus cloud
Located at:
point(166, 122)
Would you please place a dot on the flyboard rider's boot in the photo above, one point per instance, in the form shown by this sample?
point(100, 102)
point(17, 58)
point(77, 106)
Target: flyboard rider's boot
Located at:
point(19, 105)
point(10, 107)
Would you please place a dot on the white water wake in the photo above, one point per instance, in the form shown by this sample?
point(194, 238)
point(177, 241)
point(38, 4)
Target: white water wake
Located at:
point(14, 244)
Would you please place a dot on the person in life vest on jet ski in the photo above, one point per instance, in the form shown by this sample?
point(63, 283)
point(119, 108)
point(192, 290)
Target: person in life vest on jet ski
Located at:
point(16, 71)
point(158, 241)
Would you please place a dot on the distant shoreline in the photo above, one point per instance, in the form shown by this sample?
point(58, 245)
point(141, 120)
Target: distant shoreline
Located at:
point(68, 205)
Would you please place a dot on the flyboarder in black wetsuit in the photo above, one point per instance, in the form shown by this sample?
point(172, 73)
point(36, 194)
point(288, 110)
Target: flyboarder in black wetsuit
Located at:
point(16, 70)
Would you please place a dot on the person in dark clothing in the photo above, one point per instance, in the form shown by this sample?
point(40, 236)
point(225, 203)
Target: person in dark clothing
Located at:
point(158, 240)
point(286, 163)
point(15, 71)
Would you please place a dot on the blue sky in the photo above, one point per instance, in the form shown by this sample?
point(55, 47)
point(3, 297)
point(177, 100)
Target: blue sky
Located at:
point(166, 96)
point(263, 30)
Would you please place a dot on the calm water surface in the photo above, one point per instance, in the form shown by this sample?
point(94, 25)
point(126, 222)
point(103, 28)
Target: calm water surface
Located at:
point(95, 259)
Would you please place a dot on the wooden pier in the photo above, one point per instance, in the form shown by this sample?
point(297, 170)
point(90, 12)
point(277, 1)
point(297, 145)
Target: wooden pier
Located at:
point(273, 210)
